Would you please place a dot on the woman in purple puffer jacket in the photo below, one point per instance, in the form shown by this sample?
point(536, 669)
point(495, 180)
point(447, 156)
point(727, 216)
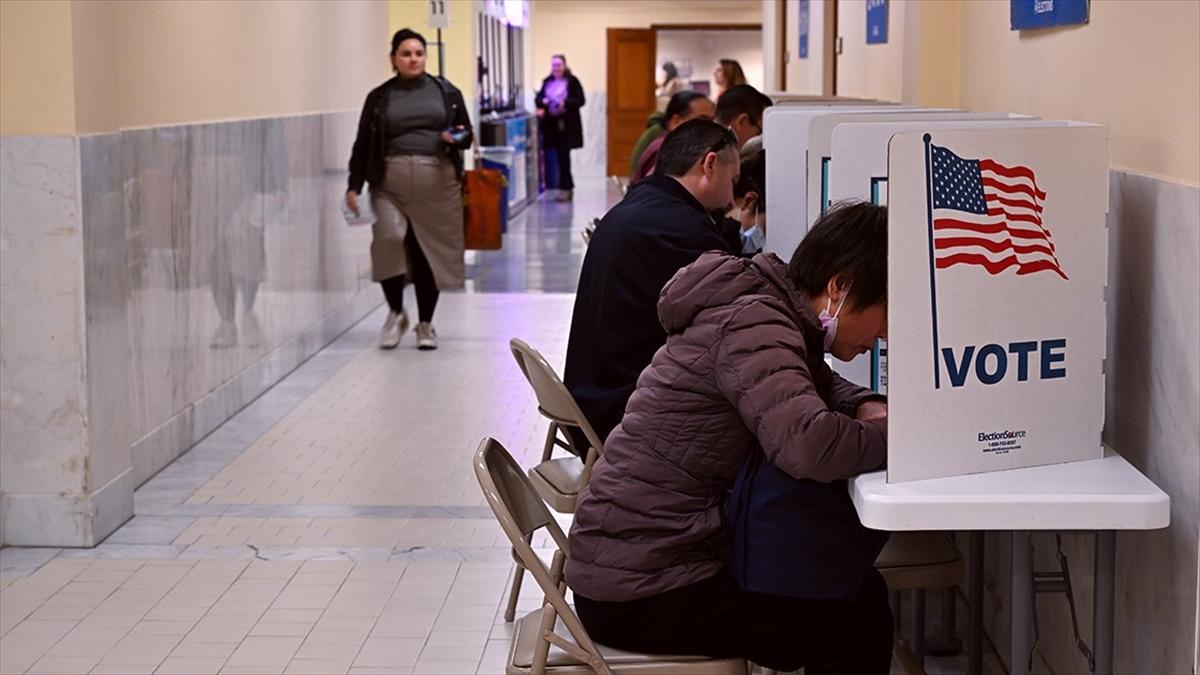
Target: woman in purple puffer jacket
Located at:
point(743, 368)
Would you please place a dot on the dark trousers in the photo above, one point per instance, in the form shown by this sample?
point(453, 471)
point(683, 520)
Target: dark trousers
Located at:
point(716, 618)
point(422, 278)
point(558, 167)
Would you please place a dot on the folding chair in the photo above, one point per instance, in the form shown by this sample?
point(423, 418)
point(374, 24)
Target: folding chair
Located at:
point(552, 640)
point(558, 481)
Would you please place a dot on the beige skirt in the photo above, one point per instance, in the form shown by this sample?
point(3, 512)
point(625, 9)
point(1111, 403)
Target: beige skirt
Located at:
point(422, 194)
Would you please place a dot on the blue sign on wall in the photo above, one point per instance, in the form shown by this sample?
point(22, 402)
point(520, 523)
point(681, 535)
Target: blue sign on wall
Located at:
point(803, 29)
point(877, 22)
point(1045, 13)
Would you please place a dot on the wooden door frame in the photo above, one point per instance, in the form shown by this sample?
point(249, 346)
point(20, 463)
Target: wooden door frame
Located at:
point(829, 79)
point(706, 26)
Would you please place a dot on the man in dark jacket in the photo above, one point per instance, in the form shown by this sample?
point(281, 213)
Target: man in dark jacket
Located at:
point(663, 224)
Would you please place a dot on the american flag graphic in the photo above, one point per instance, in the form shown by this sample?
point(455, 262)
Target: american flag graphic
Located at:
point(988, 214)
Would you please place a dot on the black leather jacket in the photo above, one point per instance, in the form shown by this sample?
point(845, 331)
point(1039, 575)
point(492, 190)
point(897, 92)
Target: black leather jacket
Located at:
point(367, 157)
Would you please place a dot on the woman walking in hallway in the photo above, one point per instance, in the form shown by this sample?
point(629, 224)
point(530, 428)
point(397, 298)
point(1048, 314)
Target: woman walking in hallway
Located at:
point(408, 149)
point(558, 103)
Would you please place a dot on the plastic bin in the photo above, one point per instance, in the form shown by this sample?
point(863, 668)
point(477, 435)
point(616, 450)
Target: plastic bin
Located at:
point(501, 157)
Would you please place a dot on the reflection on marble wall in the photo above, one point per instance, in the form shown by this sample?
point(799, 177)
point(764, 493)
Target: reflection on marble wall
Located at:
point(240, 266)
point(1152, 399)
point(155, 281)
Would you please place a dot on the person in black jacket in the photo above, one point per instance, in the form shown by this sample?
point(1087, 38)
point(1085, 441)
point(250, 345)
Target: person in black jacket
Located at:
point(664, 223)
point(409, 149)
point(558, 103)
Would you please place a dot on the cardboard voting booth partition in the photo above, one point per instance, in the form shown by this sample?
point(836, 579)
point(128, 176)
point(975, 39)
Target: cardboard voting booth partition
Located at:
point(997, 263)
point(785, 140)
point(865, 369)
point(820, 144)
point(860, 173)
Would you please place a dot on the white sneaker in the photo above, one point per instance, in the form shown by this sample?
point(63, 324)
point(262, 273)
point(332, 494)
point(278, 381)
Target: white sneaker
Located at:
point(251, 332)
point(225, 337)
point(426, 336)
point(393, 330)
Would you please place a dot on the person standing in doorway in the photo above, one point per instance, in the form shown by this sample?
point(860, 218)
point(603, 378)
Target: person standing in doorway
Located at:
point(728, 74)
point(411, 135)
point(558, 103)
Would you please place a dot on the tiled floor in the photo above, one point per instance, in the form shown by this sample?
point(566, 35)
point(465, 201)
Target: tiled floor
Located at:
point(334, 525)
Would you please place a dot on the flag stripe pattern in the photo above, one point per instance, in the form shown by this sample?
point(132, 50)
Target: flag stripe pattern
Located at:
point(990, 215)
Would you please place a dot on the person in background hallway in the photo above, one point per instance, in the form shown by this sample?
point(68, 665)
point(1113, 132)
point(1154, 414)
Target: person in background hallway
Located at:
point(684, 106)
point(558, 103)
point(728, 73)
point(740, 109)
point(671, 85)
point(743, 371)
point(661, 225)
point(409, 149)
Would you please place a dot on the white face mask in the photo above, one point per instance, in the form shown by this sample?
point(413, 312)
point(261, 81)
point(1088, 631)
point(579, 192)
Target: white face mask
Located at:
point(753, 240)
point(830, 323)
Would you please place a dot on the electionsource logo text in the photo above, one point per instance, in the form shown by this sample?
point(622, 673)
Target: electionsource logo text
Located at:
point(1001, 435)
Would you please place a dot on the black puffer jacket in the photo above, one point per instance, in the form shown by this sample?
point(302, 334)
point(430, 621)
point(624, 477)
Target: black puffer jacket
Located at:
point(367, 157)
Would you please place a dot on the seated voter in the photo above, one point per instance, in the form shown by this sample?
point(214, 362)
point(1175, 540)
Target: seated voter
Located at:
point(743, 368)
point(661, 225)
point(750, 199)
point(684, 107)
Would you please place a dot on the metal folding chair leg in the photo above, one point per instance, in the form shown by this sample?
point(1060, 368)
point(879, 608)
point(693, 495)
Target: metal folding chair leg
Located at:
point(917, 629)
point(510, 612)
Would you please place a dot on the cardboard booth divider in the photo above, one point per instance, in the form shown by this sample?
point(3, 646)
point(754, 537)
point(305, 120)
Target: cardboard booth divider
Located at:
point(820, 142)
point(858, 170)
point(997, 262)
point(785, 139)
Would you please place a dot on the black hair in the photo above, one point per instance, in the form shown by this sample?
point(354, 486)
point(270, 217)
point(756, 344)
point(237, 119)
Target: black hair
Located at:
point(753, 177)
point(849, 241)
point(679, 104)
point(742, 98)
point(689, 143)
point(406, 34)
point(671, 71)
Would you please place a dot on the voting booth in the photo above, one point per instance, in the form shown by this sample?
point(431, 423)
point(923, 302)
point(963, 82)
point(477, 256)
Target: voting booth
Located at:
point(997, 261)
point(997, 265)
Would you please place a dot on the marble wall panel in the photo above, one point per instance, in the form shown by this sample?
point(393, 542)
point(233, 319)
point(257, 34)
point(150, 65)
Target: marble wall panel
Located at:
point(590, 160)
point(1152, 418)
point(106, 299)
point(155, 281)
point(42, 430)
point(239, 262)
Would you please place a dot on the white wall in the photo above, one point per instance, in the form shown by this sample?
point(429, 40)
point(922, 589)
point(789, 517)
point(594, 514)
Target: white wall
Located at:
point(701, 50)
point(806, 76)
point(579, 29)
point(870, 71)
